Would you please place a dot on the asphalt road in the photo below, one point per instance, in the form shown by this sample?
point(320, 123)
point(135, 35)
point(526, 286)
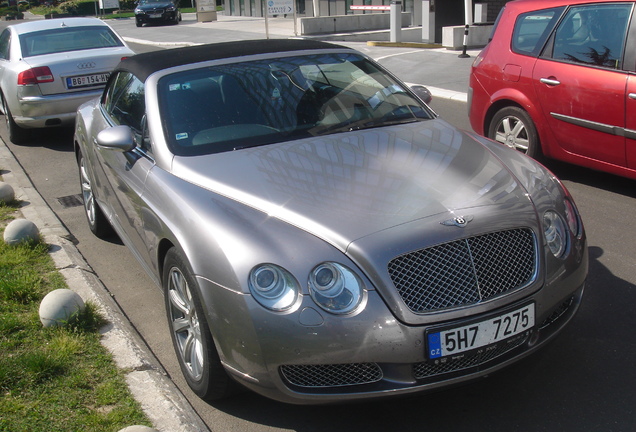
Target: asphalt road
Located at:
point(583, 381)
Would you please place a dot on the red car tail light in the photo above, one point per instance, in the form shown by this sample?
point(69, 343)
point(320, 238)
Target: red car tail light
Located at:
point(35, 75)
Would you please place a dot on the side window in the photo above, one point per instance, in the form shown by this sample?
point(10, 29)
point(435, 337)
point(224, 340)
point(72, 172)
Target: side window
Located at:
point(532, 30)
point(5, 39)
point(116, 86)
point(593, 35)
point(125, 104)
point(129, 107)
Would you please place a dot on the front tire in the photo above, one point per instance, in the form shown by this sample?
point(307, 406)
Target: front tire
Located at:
point(97, 222)
point(17, 135)
point(191, 337)
point(512, 126)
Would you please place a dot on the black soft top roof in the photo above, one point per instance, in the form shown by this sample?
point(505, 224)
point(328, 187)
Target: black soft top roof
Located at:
point(144, 64)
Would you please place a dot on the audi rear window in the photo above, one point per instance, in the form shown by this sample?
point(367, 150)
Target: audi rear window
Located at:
point(67, 39)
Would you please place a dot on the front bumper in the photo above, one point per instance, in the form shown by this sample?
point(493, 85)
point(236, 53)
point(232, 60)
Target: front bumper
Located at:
point(55, 110)
point(168, 16)
point(309, 357)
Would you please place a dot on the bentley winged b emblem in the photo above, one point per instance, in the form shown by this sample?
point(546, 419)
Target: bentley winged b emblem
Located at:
point(459, 221)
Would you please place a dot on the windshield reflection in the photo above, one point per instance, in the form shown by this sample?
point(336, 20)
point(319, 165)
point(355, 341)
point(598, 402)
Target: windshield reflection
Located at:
point(234, 106)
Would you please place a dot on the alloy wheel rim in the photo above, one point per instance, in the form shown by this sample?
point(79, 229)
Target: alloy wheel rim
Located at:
point(512, 132)
point(6, 112)
point(87, 194)
point(185, 324)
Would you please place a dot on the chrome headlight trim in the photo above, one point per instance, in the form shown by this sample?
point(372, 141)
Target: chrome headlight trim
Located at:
point(335, 288)
point(555, 232)
point(273, 287)
point(573, 218)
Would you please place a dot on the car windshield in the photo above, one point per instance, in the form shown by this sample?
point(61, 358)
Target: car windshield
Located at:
point(239, 105)
point(67, 39)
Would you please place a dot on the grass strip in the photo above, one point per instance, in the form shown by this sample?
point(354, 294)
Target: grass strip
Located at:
point(53, 379)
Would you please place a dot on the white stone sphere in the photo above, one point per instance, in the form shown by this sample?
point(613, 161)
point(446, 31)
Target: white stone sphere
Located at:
point(20, 230)
point(6, 192)
point(58, 306)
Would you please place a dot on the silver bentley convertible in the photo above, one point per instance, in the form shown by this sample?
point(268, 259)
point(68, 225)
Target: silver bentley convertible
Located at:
point(320, 235)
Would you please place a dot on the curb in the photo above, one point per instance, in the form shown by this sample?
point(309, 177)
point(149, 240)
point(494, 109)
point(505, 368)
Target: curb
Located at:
point(447, 94)
point(160, 44)
point(160, 399)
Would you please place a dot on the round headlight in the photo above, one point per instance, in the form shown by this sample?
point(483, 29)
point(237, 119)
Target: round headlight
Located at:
point(555, 233)
point(335, 288)
point(273, 287)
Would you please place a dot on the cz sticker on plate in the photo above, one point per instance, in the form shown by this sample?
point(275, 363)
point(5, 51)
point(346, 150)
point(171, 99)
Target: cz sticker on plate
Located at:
point(480, 334)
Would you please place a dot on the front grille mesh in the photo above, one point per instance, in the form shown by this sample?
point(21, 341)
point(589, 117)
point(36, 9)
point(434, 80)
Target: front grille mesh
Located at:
point(466, 271)
point(558, 313)
point(332, 375)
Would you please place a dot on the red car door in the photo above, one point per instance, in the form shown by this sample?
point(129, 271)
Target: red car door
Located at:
point(630, 118)
point(580, 84)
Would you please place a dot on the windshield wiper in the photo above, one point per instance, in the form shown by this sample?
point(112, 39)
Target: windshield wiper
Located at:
point(386, 122)
point(369, 124)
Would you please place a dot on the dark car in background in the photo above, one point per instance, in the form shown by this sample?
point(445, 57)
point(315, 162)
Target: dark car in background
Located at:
point(157, 12)
point(557, 80)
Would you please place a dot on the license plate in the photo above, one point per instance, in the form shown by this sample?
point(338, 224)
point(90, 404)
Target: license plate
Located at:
point(157, 15)
point(87, 80)
point(480, 334)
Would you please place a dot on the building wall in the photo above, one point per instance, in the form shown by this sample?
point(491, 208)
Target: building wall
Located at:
point(341, 7)
point(494, 6)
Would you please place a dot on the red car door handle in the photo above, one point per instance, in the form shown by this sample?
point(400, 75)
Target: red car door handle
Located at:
point(550, 81)
point(632, 95)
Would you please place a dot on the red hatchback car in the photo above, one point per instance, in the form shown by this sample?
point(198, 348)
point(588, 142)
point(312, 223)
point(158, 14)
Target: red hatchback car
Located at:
point(558, 79)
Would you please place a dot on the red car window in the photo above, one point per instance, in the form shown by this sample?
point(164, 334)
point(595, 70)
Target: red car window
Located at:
point(532, 29)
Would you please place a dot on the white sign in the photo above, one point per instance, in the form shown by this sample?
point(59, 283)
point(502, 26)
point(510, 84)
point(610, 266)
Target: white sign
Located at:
point(109, 4)
point(206, 5)
point(280, 7)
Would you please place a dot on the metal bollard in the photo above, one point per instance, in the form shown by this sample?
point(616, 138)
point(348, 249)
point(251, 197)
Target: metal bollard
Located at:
point(396, 21)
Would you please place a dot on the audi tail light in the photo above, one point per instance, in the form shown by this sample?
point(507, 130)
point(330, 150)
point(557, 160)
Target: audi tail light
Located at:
point(36, 75)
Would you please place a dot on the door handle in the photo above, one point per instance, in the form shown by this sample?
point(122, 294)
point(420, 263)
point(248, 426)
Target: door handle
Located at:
point(632, 96)
point(550, 81)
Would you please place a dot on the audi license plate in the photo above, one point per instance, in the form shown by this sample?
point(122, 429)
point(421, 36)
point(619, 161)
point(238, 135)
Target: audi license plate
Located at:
point(87, 80)
point(480, 334)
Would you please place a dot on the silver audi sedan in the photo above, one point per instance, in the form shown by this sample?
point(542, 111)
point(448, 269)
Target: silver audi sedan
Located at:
point(48, 68)
point(319, 233)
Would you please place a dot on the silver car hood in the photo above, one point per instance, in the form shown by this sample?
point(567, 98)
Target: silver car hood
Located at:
point(347, 186)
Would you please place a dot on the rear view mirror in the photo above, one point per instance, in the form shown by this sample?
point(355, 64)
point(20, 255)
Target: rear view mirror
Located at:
point(423, 93)
point(117, 137)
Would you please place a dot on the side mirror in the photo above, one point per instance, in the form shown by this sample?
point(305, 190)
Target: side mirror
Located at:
point(117, 138)
point(423, 93)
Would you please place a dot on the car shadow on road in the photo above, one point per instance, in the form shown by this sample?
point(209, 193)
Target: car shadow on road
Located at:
point(58, 139)
point(589, 177)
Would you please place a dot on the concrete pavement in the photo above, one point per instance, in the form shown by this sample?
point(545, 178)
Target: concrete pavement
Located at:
point(164, 404)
